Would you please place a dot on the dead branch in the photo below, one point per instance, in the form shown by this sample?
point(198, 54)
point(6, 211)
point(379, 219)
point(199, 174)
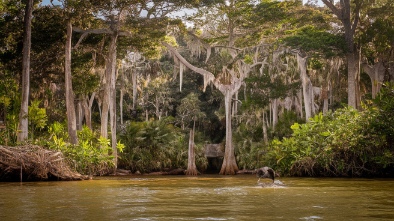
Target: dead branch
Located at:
point(34, 163)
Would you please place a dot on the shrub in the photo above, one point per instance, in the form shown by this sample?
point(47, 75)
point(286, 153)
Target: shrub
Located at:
point(90, 156)
point(156, 146)
point(347, 142)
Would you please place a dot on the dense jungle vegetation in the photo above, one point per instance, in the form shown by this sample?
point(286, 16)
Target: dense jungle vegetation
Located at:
point(305, 88)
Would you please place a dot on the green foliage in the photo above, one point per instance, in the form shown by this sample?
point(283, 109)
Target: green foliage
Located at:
point(84, 80)
point(9, 108)
point(249, 146)
point(310, 38)
point(156, 146)
point(283, 126)
point(90, 156)
point(383, 114)
point(344, 143)
point(189, 110)
point(37, 117)
point(8, 135)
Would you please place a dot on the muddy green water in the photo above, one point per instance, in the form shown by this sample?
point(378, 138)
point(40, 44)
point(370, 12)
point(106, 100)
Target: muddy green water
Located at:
point(198, 198)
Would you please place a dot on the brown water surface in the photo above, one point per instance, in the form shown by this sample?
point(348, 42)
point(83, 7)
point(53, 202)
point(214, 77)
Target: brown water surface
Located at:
point(207, 197)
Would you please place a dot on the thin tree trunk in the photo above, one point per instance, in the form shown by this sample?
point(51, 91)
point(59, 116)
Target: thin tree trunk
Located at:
point(265, 133)
point(391, 71)
point(157, 111)
point(105, 108)
point(23, 118)
point(191, 160)
point(79, 115)
point(306, 87)
point(134, 81)
point(121, 106)
point(299, 105)
point(71, 117)
point(274, 105)
point(109, 71)
point(324, 96)
point(112, 106)
point(87, 112)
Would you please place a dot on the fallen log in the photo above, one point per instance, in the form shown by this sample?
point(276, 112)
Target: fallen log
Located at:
point(34, 163)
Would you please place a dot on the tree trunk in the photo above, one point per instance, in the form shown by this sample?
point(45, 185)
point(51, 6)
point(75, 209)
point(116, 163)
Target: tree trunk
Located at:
point(306, 87)
point(71, 118)
point(191, 161)
point(229, 166)
point(343, 13)
point(105, 107)
point(376, 73)
point(109, 71)
point(79, 114)
point(235, 105)
point(391, 72)
point(274, 105)
point(265, 133)
point(134, 81)
point(157, 110)
point(112, 106)
point(121, 106)
point(324, 96)
point(23, 118)
point(299, 108)
point(87, 110)
point(352, 79)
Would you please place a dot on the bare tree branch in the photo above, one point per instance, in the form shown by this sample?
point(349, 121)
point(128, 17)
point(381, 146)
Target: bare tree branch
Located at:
point(333, 8)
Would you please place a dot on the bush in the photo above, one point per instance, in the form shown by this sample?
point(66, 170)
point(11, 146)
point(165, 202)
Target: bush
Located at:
point(249, 146)
point(347, 142)
point(90, 156)
point(156, 146)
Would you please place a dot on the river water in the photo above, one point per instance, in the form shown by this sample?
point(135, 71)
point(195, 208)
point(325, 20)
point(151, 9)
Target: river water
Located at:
point(207, 197)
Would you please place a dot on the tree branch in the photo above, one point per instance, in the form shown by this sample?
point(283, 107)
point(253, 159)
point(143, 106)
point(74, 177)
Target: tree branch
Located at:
point(334, 9)
point(206, 74)
point(357, 17)
point(186, 63)
point(93, 31)
point(97, 32)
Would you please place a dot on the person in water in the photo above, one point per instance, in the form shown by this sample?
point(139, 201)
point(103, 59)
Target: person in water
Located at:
point(265, 172)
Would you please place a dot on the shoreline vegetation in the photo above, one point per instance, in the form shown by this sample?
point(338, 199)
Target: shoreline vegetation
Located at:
point(35, 163)
point(344, 143)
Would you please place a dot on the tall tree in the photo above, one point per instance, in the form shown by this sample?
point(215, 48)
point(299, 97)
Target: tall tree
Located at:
point(23, 114)
point(71, 118)
point(224, 30)
point(189, 111)
point(114, 12)
point(73, 11)
point(349, 17)
point(377, 45)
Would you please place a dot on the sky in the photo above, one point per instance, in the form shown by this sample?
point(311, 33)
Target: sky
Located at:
point(48, 2)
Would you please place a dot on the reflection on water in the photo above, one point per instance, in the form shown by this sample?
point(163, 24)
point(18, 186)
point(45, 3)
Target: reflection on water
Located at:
point(198, 198)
